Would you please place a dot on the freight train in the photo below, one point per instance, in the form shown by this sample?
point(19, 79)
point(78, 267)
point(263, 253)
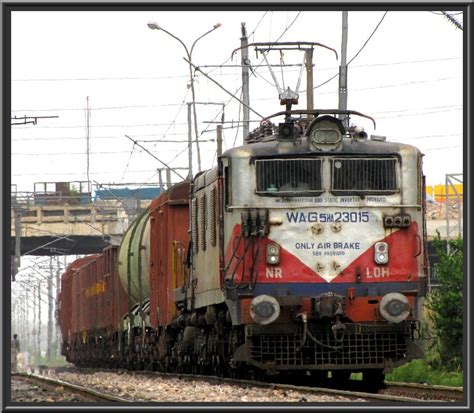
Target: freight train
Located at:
point(302, 252)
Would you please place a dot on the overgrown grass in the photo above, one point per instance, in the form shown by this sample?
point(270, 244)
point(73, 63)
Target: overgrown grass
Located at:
point(419, 371)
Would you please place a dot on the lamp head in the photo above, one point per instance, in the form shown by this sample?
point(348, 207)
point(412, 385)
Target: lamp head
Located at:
point(153, 25)
point(217, 25)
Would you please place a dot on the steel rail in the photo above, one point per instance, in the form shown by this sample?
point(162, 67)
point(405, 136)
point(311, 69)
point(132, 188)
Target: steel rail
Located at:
point(92, 394)
point(431, 392)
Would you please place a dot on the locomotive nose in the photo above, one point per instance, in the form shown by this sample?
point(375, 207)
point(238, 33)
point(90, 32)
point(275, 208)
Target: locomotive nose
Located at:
point(264, 309)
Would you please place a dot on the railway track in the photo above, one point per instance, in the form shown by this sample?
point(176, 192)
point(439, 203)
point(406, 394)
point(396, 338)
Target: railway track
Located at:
point(393, 392)
point(371, 397)
point(85, 393)
point(426, 392)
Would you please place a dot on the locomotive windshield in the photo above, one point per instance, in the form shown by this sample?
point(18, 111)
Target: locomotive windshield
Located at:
point(348, 175)
point(364, 175)
point(289, 176)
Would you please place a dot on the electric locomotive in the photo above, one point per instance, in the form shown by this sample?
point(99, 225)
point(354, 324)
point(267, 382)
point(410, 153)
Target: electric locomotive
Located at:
point(322, 247)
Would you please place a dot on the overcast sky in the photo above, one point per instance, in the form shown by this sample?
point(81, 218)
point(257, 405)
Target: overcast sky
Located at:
point(408, 77)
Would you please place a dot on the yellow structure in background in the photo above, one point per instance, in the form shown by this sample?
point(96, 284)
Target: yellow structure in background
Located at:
point(438, 192)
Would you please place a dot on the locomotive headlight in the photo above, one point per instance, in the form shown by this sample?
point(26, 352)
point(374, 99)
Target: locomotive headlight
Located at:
point(381, 253)
point(394, 307)
point(325, 136)
point(273, 254)
point(264, 309)
point(325, 133)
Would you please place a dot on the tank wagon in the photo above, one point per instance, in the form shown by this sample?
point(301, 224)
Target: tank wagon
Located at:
point(303, 252)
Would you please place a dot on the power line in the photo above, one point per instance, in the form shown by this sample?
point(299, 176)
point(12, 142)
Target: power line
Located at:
point(94, 138)
point(154, 134)
point(238, 89)
point(100, 153)
point(179, 104)
point(100, 108)
point(444, 147)
point(155, 157)
point(419, 114)
point(67, 173)
point(370, 37)
point(384, 86)
point(357, 54)
point(440, 13)
point(452, 20)
point(104, 126)
point(177, 113)
point(81, 79)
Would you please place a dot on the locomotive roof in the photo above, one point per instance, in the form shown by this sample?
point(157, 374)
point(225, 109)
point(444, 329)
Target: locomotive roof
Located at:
point(301, 147)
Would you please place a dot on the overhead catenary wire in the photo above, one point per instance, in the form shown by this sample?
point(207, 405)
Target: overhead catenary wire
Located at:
point(240, 88)
point(155, 157)
point(452, 20)
point(210, 140)
point(183, 102)
point(357, 54)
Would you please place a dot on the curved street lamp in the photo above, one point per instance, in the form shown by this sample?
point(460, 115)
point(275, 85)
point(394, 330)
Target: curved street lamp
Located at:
point(154, 26)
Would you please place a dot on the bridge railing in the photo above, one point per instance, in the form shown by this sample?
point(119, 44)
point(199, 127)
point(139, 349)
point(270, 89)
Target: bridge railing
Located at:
point(49, 198)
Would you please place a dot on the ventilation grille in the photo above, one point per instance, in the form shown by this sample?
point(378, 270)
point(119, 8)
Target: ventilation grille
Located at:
point(194, 231)
point(289, 176)
point(357, 349)
point(374, 175)
point(202, 221)
point(212, 215)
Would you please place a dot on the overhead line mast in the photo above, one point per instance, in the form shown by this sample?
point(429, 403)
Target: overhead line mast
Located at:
point(343, 71)
point(245, 81)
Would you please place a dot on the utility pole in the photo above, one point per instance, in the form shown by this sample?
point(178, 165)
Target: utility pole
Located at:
point(245, 81)
point(168, 178)
point(219, 140)
point(50, 309)
point(34, 348)
point(39, 321)
point(17, 258)
point(190, 144)
point(343, 71)
point(58, 288)
point(309, 78)
point(88, 133)
point(27, 321)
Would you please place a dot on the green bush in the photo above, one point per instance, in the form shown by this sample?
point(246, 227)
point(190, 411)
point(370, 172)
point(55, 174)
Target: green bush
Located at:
point(446, 306)
point(419, 371)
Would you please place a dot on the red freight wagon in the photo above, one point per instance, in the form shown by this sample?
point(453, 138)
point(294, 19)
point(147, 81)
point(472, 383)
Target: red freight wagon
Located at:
point(92, 302)
point(114, 299)
point(67, 300)
point(169, 223)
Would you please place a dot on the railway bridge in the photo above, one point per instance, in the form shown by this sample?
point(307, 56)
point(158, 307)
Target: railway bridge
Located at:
point(66, 219)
